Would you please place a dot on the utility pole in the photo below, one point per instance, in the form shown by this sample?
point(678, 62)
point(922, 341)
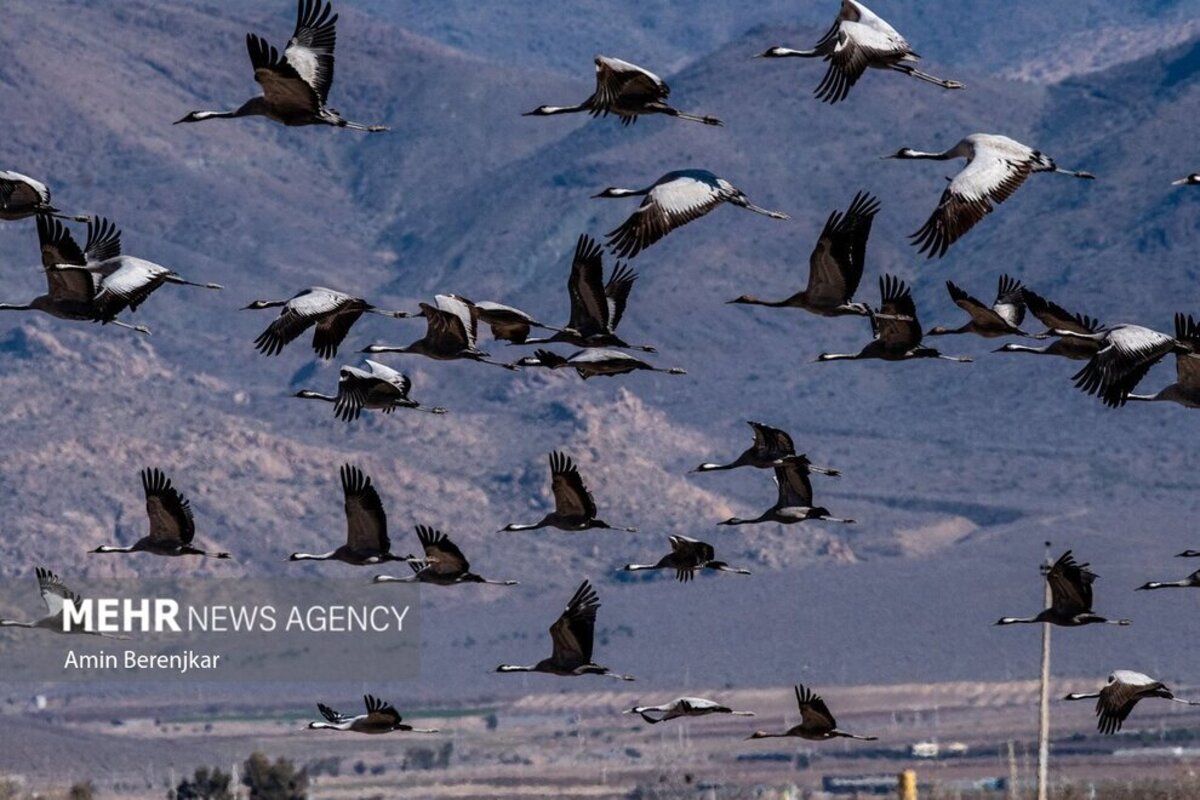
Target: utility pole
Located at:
point(1044, 700)
point(1012, 772)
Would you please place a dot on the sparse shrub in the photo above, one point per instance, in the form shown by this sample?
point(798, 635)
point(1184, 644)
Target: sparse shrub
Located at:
point(278, 781)
point(205, 784)
point(331, 766)
point(84, 790)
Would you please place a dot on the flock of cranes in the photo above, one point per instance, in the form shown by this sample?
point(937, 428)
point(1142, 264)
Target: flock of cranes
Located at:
point(98, 283)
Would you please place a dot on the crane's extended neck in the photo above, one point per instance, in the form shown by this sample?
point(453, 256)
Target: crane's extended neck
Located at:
point(312, 556)
point(787, 52)
point(311, 395)
point(550, 111)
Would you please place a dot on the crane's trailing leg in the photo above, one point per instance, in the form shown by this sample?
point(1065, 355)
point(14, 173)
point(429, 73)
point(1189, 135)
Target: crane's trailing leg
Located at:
point(925, 76)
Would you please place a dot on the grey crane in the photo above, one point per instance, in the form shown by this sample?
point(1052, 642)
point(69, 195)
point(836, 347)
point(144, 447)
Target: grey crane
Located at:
point(627, 91)
point(795, 499)
point(71, 288)
point(381, 717)
point(684, 707)
point(506, 323)
point(57, 597)
point(859, 39)
point(597, 307)
point(121, 282)
point(772, 447)
point(574, 506)
point(378, 387)
point(443, 564)
point(1190, 582)
point(172, 527)
point(450, 334)
point(332, 312)
point(1057, 318)
point(1120, 694)
point(816, 721)
point(687, 556)
point(572, 635)
point(1002, 318)
point(21, 196)
point(295, 87)
point(896, 328)
point(1126, 354)
point(1070, 597)
point(996, 167)
point(835, 266)
point(1186, 389)
point(593, 362)
point(367, 540)
point(671, 202)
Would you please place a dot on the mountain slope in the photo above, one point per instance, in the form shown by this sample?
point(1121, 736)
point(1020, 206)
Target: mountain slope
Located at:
point(956, 473)
point(1020, 38)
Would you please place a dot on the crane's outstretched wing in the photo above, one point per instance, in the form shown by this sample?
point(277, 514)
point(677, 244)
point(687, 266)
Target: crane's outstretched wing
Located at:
point(573, 631)
point(896, 323)
point(814, 714)
point(1010, 301)
point(989, 179)
point(1055, 317)
point(282, 86)
point(169, 512)
point(589, 302)
point(1119, 366)
point(1118, 698)
point(671, 204)
point(366, 521)
point(617, 80)
point(1187, 367)
point(835, 267)
point(310, 50)
point(54, 593)
point(856, 48)
point(336, 717)
point(443, 555)
point(332, 329)
point(381, 712)
point(571, 495)
point(1070, 585)
point(795, 488)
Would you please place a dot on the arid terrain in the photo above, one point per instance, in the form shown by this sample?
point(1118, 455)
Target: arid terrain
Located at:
point(579, 745)
point(956, 474)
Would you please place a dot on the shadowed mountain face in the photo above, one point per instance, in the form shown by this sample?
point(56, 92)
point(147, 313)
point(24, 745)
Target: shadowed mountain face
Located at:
point(956, 473)
point(1010, 37)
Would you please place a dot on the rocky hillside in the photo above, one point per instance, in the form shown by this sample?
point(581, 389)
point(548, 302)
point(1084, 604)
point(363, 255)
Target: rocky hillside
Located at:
point(956, 473)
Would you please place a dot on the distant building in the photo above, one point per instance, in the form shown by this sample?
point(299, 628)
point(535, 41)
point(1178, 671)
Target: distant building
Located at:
point(924, 750)
point(936, 750)
point(857, 785)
